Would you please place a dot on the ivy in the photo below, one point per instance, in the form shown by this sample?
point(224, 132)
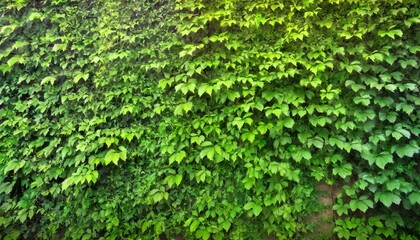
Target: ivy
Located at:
point(208, 119)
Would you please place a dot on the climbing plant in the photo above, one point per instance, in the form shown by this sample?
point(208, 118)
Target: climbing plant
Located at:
point(208, 119)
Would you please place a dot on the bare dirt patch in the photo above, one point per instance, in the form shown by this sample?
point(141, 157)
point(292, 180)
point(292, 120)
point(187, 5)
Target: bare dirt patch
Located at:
point(324, 218)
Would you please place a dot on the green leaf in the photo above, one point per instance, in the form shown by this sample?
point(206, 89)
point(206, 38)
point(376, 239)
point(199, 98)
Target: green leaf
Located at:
point(197, 139)
point(49, 79)
point(383, 159)
point(15, 59)
point(33, 16)
point(256, 208)
point(362, 205)
point(397, 32)
point(186, 107)
point(248, 183)
point(14, 166)
point(375, 222)
point(178, 179)
point(226, 225)
point(79, 76)
point(112, 156)
point(300, 154)
point(288, 122)
point(248, 206)
point(390, 33)
point(207, 152)
point(115, 221)
point(250, 136)
point(316, 141)
point(410, 62)
point(66, 183)
point(414, 197)
point(178, 157)
point(303, 136)
point(262, 129)
point(343, 171)
point(205, 88)
point(194, 225)
point(205, 235)
point(393, 184)
point(341, 208)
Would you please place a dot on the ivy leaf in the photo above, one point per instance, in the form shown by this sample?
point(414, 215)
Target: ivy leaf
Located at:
point(112, 156)
point(390, 33)
point(49, 79)
point(178, 179)
point(250, 136)
point(239, 122)
point(414, 197)
point(341, 209)
point(205, 88)
point(14, 165)
point(92, 176)
point(207, 152)
point(299, 154)
point(248, 183)
point(303, 136)
point(397, 32)
point(362, 205)
point(375, 222)
point(256, 208)
point(33, 16)
point(79, 76)
point(410, 62)
point(13, 60)
point(115, 221)
point(178, 157)
point(226, 225)
point(197, 139)
point(383, 159)
point(203, 234)
point(66, 183)
point(288, 122)
point(184, 107)
point(387, 198)
point(343, 171)
point(194, 225)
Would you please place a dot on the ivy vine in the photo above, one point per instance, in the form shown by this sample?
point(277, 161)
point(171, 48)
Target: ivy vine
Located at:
point(204, 119)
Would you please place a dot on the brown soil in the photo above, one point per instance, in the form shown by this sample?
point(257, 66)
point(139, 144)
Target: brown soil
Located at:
point(324, 218)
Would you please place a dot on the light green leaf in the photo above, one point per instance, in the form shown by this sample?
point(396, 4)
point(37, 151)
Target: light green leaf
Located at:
point(383, 159)
point(343, 171)
point(66, 183)
point(115, 221)
point(194, 225)
point(407, 150)
point(178, 179)
point(178, 157)
point(288, 122)
point(414, 197)
point(15, 59)
point(111, 156)
point(226, 225)
point(49, 79)
point(14, 165)
point(256, 208)
point(387, 198)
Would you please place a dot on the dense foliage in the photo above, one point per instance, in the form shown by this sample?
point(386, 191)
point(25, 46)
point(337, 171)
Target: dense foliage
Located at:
point(208, 119)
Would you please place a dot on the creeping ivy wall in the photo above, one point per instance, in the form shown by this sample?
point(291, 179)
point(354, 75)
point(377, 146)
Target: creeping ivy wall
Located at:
point(208, 119)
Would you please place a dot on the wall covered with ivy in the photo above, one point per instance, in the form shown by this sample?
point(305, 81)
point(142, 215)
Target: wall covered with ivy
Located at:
point(208, 119)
